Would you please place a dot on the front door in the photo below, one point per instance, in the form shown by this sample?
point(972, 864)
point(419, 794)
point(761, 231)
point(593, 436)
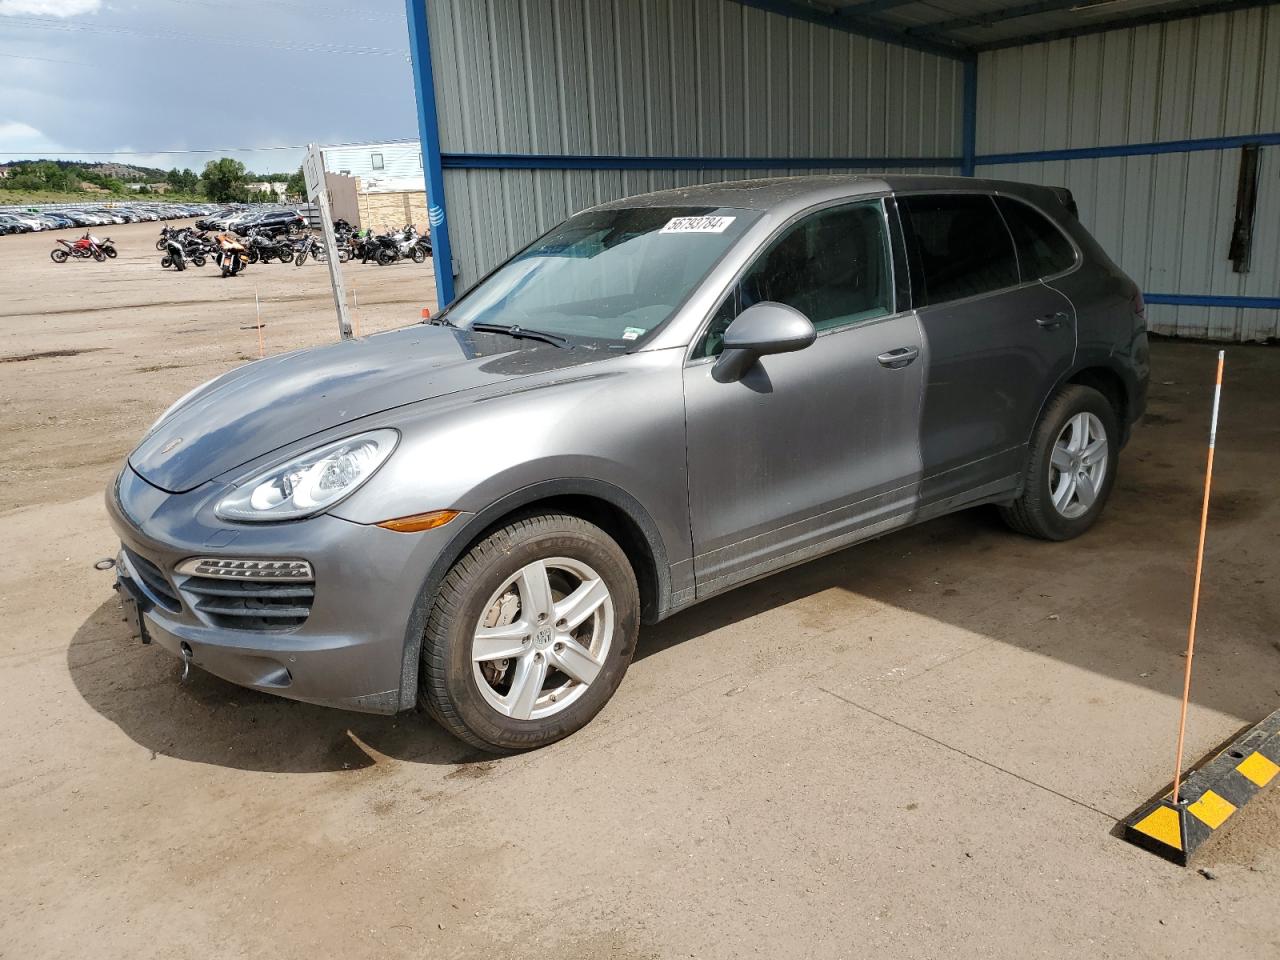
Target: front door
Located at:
point(815, 448)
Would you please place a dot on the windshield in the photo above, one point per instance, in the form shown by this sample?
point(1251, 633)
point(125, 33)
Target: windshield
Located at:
point(606, 275)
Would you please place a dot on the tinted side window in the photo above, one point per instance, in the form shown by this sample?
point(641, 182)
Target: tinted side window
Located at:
point(832, 266)
point(1043, 249)
point(961, 245)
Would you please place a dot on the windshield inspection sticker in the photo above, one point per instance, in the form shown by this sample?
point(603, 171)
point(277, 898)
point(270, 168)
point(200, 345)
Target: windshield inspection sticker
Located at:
point(697, 225)
point(633, 333)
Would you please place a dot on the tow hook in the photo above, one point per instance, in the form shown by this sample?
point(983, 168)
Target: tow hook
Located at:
point(185, 650)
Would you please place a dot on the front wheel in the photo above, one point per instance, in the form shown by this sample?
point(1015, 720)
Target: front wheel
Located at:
point(166, 262)
point(530, 634)
point(198, 260)
point(99, 256)
point(1074, 454)
point(300, 259)
point(385, 258)
point(419, 255)
point(110, 252)
point(58, 256)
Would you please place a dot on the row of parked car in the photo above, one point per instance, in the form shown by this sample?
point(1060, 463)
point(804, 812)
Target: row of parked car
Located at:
point(239, 220)
point(31, 220)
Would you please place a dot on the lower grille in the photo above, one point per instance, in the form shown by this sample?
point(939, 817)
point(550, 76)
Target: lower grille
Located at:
point(153, 582)
point(250, 604)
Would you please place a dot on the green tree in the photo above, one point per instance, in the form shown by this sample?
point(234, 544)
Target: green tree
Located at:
point(297, 185)
point(183, 181)
point(224, 180)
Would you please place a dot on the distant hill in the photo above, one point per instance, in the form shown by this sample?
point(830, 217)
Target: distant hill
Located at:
point(128, 172)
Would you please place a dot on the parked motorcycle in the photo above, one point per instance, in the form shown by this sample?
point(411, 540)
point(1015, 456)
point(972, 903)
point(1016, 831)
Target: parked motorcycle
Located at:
point(265, 248)
point(400, 246)
point(82, 249)
point(312, 247)
point(177, 253)
point(232, 254)
point(106, 246)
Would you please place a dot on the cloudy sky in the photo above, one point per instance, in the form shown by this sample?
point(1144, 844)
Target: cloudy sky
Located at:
point(146, 76)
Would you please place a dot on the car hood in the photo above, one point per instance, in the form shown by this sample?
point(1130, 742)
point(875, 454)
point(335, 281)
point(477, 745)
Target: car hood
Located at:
point(267, 404)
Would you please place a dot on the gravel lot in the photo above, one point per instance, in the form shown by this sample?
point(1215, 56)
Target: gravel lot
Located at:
point(915, 748)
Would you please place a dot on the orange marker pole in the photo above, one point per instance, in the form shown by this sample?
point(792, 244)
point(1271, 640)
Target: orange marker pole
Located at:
point(1195, 591)
point(257, 308)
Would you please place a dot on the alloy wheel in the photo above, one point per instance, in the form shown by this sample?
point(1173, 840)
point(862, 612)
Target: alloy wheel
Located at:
point(543, 638)
point(1078, 465)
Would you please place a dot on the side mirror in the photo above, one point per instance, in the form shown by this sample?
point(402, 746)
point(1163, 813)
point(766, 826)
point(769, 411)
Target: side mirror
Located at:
point(758, 331)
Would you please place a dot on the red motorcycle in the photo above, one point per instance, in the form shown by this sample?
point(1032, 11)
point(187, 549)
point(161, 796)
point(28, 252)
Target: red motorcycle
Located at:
point(84, 248)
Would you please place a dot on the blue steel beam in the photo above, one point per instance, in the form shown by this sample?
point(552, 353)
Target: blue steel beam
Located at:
point(1130, 149)
point(992, 17)
point(532, 161)
point(424, 86)
point(862, 26)
point(1140, 20)
point(969, 119)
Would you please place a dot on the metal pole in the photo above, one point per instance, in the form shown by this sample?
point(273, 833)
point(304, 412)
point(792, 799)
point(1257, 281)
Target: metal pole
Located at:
point(318, 192)
point(1195, 590)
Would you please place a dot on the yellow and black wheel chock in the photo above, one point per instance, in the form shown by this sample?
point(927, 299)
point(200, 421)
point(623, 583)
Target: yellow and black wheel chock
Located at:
point(1209, 795)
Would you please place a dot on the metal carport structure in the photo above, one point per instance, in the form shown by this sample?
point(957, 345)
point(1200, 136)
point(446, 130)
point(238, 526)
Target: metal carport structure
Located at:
point(1162, 117)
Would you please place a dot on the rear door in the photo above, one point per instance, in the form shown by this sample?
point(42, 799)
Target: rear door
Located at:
point(997, 343)
point(815, 448)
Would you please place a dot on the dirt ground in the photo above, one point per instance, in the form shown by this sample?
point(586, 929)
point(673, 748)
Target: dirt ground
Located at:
point(916, 748)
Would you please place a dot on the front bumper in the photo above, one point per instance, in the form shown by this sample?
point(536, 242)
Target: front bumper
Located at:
point(349, 652)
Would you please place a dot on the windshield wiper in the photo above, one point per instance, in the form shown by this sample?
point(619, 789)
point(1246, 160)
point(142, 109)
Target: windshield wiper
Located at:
point(520, 333)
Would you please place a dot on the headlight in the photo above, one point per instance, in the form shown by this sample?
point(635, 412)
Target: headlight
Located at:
point(310, 483)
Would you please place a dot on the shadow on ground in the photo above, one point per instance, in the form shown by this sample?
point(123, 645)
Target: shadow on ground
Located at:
point(1113, 602)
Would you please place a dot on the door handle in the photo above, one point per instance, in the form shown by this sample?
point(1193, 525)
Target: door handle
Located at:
point(898, 358)
point(1052, 321)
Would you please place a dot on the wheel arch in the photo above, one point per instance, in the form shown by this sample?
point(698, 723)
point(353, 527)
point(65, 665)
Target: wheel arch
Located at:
point(612, 509)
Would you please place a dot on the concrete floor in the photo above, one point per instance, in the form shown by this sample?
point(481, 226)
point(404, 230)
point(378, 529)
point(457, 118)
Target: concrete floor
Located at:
point(915, 748)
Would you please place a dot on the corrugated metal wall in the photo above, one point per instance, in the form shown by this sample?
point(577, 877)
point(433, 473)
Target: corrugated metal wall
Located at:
point(1165, 219)
point(663, 78)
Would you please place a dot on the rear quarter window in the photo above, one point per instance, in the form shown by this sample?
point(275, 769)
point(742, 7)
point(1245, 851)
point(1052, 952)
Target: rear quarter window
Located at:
point(1043, 249)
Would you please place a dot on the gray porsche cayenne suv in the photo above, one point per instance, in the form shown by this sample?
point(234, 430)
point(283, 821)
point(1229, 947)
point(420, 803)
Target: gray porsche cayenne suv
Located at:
point(660, 399)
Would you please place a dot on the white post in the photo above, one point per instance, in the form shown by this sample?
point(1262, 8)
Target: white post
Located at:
point(318, 193)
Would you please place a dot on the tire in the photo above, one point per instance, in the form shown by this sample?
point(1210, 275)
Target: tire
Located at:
point(99, 256)
point(198, 260)
point(166, 262)
point(300, 259)
point(419, 255)
point(161, 244)
point(344, 256)
point(180, 263)
point(1075, 413)
point(479, 584)
point(286, 256)
point(58, 256)
point(110, 252)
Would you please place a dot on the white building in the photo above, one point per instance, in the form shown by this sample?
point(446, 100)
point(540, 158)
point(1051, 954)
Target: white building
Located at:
point(390, 167)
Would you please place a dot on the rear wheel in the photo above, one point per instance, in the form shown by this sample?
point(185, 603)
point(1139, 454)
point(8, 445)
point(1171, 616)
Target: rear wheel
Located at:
point(1074, 454)
point(198, 260)
point(530, 634)
point(58, 256)
point(166, 262)
point(110, 252)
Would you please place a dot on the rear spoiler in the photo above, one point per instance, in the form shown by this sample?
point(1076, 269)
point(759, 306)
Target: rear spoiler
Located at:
point(1067, 200)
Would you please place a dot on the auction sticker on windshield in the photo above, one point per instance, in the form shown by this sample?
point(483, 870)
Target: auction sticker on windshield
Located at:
point(697, 225)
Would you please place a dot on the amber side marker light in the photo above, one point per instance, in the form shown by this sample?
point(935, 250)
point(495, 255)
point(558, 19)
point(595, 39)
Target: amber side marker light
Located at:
point(419, 521)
